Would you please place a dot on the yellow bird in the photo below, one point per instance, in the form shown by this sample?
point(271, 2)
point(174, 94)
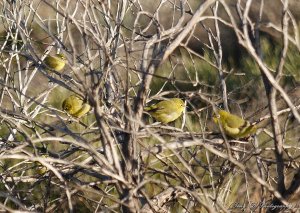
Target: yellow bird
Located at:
point(166, 111)
point(234, 126)
point(56, 62)
point(75, 106)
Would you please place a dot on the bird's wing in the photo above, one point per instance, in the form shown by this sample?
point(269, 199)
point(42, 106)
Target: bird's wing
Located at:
point(51, 61)
point(82, 111)
point(235, 122)
point(153, 108)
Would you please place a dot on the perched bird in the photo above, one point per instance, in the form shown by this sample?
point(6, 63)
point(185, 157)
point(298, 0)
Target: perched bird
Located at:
point(234, 126)
point(75, 106)
point(56, 62)
point(166, 111)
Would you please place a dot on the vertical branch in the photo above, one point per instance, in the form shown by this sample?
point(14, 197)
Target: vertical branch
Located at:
point(259, 52)
point(277, 134)
point(273, 106)
point(219, 55)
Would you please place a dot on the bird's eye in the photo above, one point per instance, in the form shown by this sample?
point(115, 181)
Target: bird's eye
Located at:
point(218, 116)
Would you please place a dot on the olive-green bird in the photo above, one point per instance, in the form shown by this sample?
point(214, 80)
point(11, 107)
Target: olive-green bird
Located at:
point(56, 62)
point(234, 126)
point(75, 106)
point(166, 111)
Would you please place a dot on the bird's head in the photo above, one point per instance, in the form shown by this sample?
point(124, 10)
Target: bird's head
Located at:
point(178, 102)
point(221, 114)
point(66, 106)
point(61, 56)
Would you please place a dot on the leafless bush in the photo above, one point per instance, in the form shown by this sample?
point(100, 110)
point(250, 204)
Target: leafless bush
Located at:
point(121, 55)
